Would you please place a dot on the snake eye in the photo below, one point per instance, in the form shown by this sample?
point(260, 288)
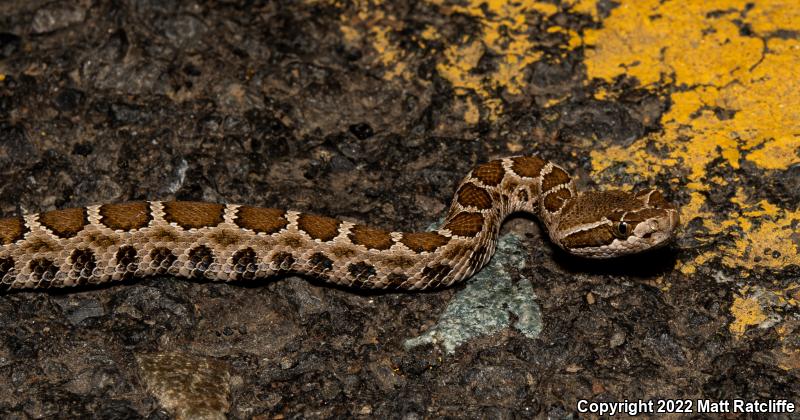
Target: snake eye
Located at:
point(621, 230)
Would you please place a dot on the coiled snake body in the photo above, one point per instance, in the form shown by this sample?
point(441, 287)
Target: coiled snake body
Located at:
point(110, 242)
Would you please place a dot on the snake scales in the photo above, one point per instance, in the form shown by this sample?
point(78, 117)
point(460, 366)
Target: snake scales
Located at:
point(110, 242)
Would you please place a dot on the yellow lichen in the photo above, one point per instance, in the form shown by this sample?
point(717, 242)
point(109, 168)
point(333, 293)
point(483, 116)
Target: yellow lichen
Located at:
point(740, 100)
point(778, 153)
point(506, 35)
point(587, 7)
point(746, 312)
point(472, 114)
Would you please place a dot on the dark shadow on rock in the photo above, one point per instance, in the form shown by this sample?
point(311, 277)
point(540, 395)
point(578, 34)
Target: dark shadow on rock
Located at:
point(644, 265)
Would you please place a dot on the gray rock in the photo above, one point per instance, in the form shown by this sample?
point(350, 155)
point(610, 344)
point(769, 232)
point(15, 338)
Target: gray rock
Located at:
point(56, 16)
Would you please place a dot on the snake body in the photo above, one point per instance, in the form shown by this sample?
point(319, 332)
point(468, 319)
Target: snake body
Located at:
point(223, 242)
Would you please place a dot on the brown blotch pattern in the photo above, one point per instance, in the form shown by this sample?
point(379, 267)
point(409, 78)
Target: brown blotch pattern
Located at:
point(43, 270)
point(400, 261)
point(226, 237)
point(554, 178)
point(126, 216)
point(12, 229)
point(162, 259)
point(343, 251)
point(283, 261)
point(470, 195)
point(465, 224)
point(318, 227)
point(64, 223)
point(245, 264)
point(200, 260)
point(490, 174)
point(435, 274)
point(83, 264)
point(554, 201)
point(164, 234)
point(36, 245)
point(597, 236)
point(371, 238)
point(423, 241)
point(100, 240)
point(193, 214)
point(292, 241)
point(527, 166)
point(261, 220)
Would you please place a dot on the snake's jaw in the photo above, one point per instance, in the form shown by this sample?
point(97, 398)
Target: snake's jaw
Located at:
point(657, 231)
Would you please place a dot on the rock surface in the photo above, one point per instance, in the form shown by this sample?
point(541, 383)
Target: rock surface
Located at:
point(373, 111)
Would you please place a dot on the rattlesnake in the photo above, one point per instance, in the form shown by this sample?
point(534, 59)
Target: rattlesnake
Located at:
point(110, 242)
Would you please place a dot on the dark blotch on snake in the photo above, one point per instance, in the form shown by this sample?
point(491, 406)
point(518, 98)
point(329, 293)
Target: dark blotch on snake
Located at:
point(283, 261)
point(193, 215)
point(423, 241)
point(245, 264)
point(396, 280)
point(200, 260)
point(127, 260)
point(435, 274)
point(12, 229)
point(553, 179)
point(490, 173)
point(318, 227)
point(261, 220)
point(555, 200)
point(65, 223)
point(83, 264)
point(43, 270)
point(125, 216)
point(465, 224)
point(6, 265)
point(470, 195)
point(162, 258)
point(527, 166)
point(371, 238)
point(361, 270)
point(320, 263)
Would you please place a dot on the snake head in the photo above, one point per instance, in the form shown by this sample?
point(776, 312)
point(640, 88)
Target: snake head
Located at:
point(608, 224)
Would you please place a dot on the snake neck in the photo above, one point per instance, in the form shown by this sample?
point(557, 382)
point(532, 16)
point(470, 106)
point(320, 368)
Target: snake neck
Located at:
point(495, 190)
